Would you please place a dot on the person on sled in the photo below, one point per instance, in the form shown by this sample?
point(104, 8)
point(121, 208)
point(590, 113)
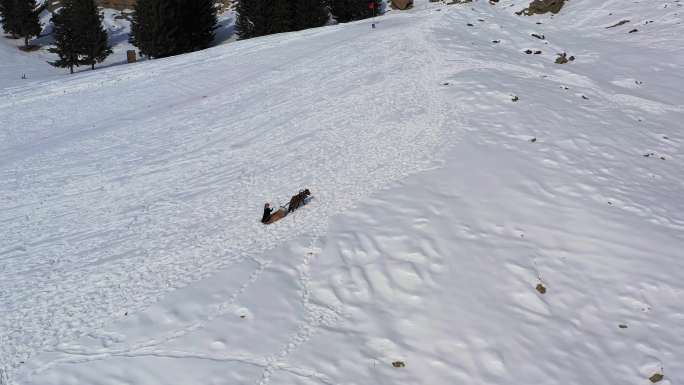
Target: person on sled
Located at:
point(267, 213)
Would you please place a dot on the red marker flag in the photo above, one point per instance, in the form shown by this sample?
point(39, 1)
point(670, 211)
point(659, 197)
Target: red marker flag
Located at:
point(371, 5)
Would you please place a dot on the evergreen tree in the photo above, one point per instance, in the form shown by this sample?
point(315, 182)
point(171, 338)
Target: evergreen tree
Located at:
point(348, 10)
point(156, 27)
point(200, 22)
point(66, 37)
point(254, 18)
point(170, 40)
point(79, 36)
point(9, 21)
point(145, 26)
point(263, 17)
point(310, 14)
point(25, 20)
point(282, 16)
point(92, 38)
point(163, 28)
point(244, 25)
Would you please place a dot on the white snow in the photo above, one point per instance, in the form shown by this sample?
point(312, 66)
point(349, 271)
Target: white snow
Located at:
point(15, 64)
point(130, 196)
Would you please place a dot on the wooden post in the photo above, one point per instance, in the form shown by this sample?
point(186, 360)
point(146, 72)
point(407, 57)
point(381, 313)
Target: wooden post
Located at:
point(130, 55)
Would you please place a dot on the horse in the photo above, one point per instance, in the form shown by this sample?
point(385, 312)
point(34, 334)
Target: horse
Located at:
point(298, 200)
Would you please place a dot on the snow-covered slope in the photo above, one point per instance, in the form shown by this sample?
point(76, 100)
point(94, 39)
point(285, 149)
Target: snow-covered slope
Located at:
point(131, 251)
point(18, 68)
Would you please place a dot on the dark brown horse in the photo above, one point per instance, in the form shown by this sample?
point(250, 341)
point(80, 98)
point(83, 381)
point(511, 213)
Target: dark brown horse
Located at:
point(298, 200)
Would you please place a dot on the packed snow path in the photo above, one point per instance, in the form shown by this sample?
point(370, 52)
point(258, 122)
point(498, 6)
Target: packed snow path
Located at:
point(130, 182)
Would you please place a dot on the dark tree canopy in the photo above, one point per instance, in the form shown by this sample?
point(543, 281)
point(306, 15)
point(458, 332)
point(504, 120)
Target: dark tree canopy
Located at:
point(80, 38)
point(254, 18)
point(310, 14)
point(162, 28)
point(66, 37)
point(282, 15)
point(145, 25)
point(20, 18)
point(264, 17)
point(27, 15)
point(244, 25)
point(9, 22)
point(92, 38)
point(200, 23)
point(348, 10)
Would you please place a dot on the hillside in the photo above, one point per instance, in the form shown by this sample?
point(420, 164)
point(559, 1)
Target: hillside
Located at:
point(18, 68)
point(34, 65)
point(453, 175)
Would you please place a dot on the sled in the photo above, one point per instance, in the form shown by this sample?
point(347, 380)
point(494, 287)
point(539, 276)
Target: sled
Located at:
point(278, 215)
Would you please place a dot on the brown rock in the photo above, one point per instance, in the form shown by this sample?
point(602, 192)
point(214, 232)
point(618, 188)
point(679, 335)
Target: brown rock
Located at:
point(543, 6)
point(619, 23)
point(402, 4)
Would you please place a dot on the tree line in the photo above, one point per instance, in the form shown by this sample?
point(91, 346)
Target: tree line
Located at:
point(162, 28)
point(264, 17)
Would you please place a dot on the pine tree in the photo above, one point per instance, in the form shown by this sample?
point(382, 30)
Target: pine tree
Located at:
point(310, 14)
point(163, 28)
point(26, 19)
point(244, 26)
point(200, 22)
point(154, 29)
point(264, 17)
point(66, 37)
point(9, 21)
point(348, 10)
point(92, 38)
point(254, 18)
point(170, 40)
point(145, 25)
point(282, 16)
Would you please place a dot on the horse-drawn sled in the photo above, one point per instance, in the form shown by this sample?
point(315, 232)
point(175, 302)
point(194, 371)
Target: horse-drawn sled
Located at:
point(300, 199)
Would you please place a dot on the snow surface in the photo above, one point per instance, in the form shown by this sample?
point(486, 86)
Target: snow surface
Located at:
point(130, 197)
